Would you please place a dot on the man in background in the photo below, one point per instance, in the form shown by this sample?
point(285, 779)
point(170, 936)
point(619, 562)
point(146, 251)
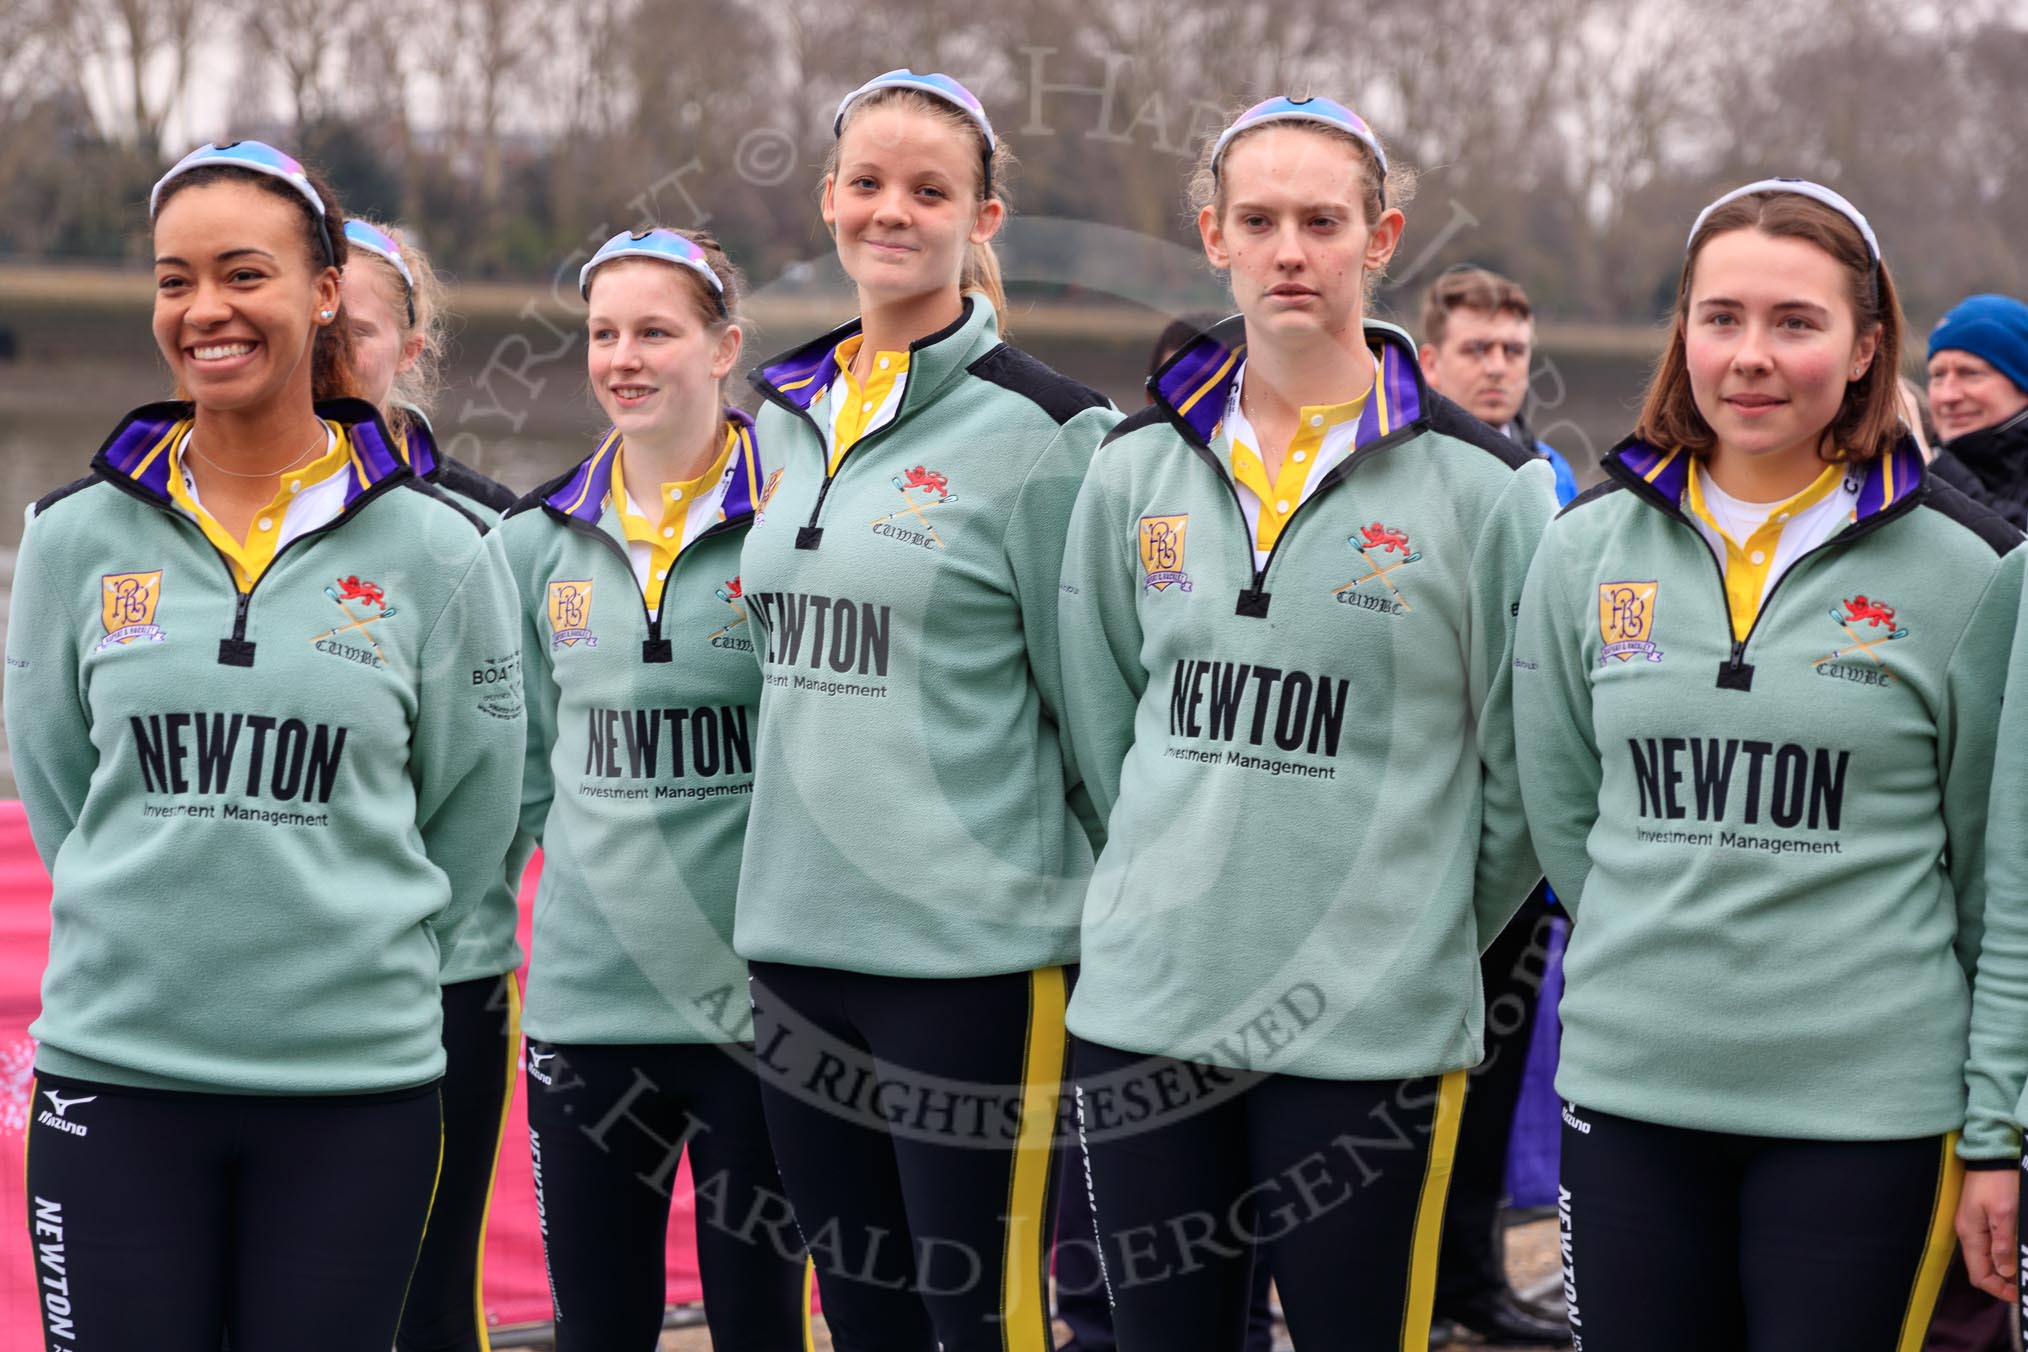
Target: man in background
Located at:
point(1978, 395)
point(1478, 340)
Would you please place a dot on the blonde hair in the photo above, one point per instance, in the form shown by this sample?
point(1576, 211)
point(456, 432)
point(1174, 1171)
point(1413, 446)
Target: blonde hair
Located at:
point(982, 262)
point(1396, 187)
point(422, 381)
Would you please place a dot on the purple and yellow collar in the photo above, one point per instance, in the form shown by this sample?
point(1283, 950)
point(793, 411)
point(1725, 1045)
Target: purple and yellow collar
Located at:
point(138, 450)
point(583, 495)
point(1887, 479)
point(1197, 381)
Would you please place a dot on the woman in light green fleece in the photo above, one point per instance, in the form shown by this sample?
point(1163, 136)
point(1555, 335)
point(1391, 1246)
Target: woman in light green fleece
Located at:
point(264, 702)
point(1287, 608)
point(641, 713)
point(1756, 694)
point(908, 898)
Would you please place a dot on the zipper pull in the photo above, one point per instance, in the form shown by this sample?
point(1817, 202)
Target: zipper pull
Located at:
point(1736, 674)
point(1254, 601)
point(655, 648)
point(236, 651)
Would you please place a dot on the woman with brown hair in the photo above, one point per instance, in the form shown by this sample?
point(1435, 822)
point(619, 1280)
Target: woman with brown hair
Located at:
point(264, 707)
point(1756, 703)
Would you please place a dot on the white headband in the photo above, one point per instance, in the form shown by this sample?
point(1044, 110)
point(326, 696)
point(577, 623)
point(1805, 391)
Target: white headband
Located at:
point(1801, 187)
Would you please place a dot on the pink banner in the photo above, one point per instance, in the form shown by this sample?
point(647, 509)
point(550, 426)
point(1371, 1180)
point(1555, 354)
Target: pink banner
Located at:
point(516, 1288)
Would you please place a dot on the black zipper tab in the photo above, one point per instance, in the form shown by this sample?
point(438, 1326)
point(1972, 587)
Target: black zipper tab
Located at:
point(1253, 602)
point(236, 651)
point(1736, 674)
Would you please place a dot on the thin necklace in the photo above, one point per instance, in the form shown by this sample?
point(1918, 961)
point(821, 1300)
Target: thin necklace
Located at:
point(323, 435)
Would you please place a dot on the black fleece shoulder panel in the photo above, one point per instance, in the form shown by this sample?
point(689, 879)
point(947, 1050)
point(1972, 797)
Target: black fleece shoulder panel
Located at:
point(461, 478)
point(54, 496)
point(1048, 389)
point(424, 486)
point(1150, 416)
point(1451, 420)
point(536, 496)
point(1592, 494)
point(1982, 521)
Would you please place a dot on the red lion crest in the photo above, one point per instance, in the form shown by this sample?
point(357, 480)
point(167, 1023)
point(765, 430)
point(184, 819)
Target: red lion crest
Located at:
point(1384, 538)
point(1860, 610)
point(352, 589)
point(928, 480)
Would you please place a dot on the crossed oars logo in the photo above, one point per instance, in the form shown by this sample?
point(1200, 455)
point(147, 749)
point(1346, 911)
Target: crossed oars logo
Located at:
point(929, 481)
point(730, 593)
point(367, 593)
point(1388, 541)
point(1874, 615)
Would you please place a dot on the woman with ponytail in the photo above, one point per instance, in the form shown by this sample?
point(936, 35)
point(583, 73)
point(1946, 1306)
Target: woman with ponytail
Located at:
point(914, 863)
point(395, 305)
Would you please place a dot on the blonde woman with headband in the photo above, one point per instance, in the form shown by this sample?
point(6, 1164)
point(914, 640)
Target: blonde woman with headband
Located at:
point(908, 901)
point(640, 774)
point(1287, 608)
point(395, 305)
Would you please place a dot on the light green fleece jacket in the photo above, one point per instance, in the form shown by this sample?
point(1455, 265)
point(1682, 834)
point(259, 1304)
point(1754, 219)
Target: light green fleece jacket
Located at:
point(913, 813)
point(1773, 847)
point(1307, 768)
point(640, 765)
point(260, 808)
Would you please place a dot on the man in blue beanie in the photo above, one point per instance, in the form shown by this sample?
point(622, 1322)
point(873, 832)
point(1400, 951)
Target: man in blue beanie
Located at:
point(1978, 393)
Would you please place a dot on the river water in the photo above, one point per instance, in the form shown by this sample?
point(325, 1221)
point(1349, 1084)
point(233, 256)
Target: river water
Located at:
point(516, 406)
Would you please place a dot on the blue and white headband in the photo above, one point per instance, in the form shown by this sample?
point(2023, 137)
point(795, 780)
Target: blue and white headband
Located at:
point(1801, 187)
point(365, 235)
point(255, 157)
point(940, 87)
point(660, 243)
point(1320, 111)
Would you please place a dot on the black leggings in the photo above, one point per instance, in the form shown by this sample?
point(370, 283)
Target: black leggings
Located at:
point(1677, 1240)
point(607, 1125)
point(180, 1222)
point(915, 1122)
point(482, 1024)
point(1340, 1183)
point(1472, 1262)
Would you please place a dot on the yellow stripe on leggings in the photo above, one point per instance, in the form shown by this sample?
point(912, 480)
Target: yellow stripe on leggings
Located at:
point(493, 1173)
point(1936, 1250)
point(809, 1289)
point(1024, 1307)
point(435, 1183)
point(1429, 1214)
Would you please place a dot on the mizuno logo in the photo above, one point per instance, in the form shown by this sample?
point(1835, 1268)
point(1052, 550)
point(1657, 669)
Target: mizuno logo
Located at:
point(537, 1058)
point(63, 1104)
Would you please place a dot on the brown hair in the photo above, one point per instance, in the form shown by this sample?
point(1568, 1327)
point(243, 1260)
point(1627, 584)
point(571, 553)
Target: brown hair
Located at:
point(1869, 420)
point(982, 261)
point(333, 373)
point(416, 387)
point(1207, 187)
point(1477, 289)
point(722, 267)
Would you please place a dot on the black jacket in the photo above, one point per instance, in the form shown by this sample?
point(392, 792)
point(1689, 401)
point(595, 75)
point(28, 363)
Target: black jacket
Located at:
point(1990, 466)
